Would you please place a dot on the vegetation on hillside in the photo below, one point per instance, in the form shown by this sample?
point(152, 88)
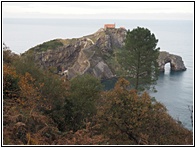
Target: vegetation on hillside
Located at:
point(40, 108)
point(50, 45)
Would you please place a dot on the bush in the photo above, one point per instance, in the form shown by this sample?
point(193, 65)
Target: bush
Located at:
point(84, 94)
point(129, 118)
point(10, 82)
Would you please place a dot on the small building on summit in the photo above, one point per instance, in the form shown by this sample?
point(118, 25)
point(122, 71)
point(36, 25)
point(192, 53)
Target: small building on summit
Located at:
point(109, 26)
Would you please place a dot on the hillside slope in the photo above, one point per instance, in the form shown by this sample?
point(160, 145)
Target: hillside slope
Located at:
point(77, 56)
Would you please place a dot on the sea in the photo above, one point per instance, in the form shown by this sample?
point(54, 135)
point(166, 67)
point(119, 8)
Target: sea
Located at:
point(174, 89)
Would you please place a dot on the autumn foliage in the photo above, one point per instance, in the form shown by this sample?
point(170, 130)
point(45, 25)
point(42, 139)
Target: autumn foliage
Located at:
point(44, 110)
point(129, 118)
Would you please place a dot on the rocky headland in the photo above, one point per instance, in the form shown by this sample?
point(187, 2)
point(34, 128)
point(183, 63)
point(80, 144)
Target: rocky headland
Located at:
point(91, 54)
point(176, 62)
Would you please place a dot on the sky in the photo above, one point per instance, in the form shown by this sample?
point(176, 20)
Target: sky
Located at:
point(100, 10)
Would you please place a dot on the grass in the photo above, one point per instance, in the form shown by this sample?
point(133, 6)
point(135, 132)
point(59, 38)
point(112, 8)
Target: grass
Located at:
point(53, 44)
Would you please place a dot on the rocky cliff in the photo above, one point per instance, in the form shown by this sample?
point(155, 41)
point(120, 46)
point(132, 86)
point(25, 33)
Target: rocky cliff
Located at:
point(89, 54)
point(176, 62)
point(77, 56)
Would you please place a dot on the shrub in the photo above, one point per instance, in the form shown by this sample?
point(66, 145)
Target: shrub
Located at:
point(10, 82)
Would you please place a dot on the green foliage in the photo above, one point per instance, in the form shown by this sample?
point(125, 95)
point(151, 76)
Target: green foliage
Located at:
point(53, 44)
point(8, 56)
point(10, 87)
point(86, 85)
point(55, 93)
point(71, 111)
point(139, 58)
point(54, 89)
point(27, 64)
point(84, 93)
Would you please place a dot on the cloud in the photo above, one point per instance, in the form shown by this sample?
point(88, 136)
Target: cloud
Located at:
point(97, 9)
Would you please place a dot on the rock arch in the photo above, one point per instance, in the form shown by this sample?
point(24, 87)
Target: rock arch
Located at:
point(176, 62)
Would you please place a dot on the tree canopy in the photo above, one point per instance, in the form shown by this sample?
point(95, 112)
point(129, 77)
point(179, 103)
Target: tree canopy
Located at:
point(139, 58)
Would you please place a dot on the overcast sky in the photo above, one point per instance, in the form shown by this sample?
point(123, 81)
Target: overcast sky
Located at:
point(99, 10)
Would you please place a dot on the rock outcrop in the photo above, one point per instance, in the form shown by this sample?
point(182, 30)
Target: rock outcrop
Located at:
point(90, 54)
point(82, 55)
point(176, 62)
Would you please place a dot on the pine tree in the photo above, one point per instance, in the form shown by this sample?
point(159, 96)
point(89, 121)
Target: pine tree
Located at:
point(139, 58)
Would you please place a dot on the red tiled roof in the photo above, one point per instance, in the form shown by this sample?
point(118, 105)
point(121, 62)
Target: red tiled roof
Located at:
point(109, 26)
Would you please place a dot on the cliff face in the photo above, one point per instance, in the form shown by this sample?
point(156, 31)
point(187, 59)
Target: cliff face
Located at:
point(88, 54)
point(74, 57)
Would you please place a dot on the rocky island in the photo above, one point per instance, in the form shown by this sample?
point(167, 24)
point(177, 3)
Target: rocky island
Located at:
point(176, 62)
point(93, 54)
